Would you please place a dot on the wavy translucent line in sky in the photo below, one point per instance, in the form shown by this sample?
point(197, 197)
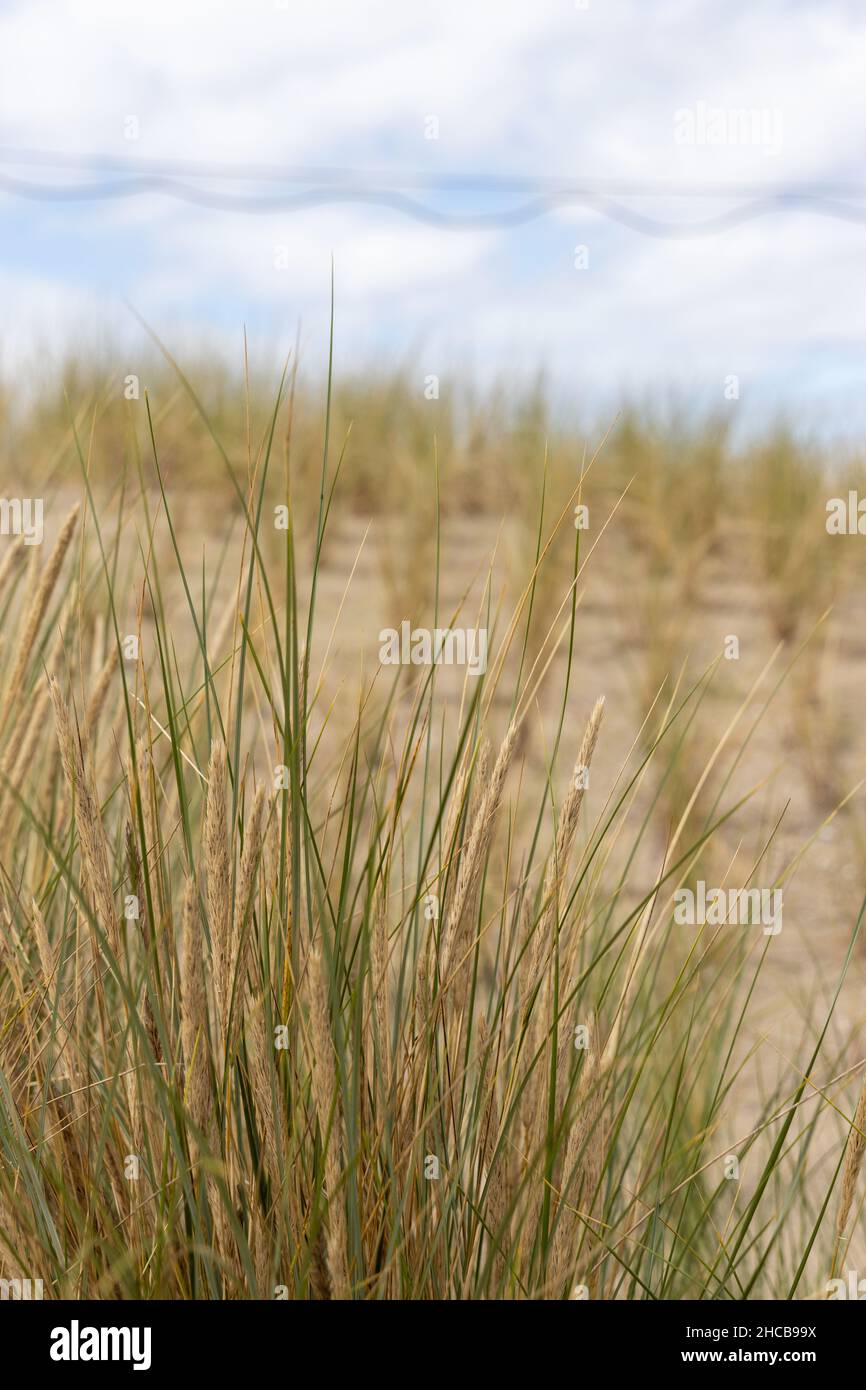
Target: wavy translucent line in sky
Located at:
point(338, 189)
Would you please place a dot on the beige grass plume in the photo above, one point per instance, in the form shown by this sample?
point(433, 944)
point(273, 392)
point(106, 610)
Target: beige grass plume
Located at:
point(492, 1165)
point(581, 1170)
point(475, 849)
point(853, 1162)
point(20, 754)
point(330, 1113)
point(196, 1051)
point(219, 883)
point(261, 1076)
point(558, 864)
point(245, 892)
point(249, 866)
point(194, 1028)
point(13, 557)
point(36, 612)
point(88, 818)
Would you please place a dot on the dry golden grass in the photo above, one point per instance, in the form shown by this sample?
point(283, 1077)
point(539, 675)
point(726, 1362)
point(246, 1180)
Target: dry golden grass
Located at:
point(293, 967)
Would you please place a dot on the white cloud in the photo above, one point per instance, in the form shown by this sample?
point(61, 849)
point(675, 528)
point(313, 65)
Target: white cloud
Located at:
point(517, 88)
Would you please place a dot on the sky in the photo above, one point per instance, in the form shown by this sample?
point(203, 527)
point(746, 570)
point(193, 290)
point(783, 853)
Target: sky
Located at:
point(686, 108)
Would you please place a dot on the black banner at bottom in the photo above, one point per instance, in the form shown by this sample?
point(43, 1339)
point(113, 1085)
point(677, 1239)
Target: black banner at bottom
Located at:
point(60, 1339)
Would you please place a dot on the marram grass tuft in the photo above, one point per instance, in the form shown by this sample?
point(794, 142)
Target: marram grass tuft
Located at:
point(308, 990)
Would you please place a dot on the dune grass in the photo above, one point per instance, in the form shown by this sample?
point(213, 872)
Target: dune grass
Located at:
point(313, 996)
